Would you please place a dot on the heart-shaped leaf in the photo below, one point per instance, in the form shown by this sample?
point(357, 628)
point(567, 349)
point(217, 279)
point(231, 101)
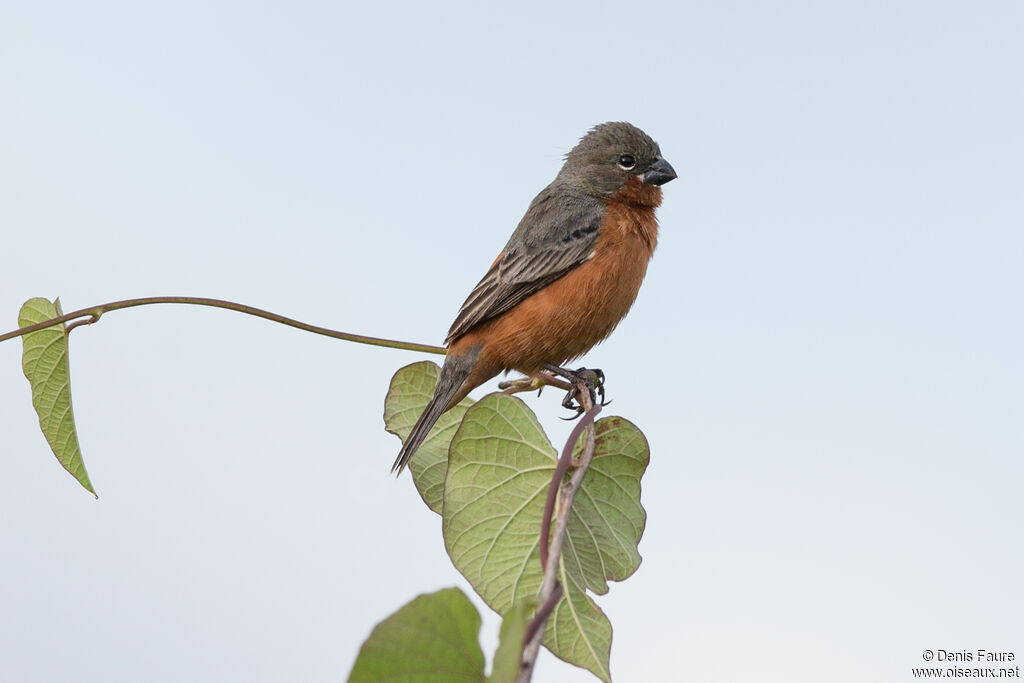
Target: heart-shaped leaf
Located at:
point(432, 639)
point(500, 466)
point(411, 389)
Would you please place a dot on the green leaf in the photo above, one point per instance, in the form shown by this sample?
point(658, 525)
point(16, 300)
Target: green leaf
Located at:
point(500, 466)
point(45, 362)
point(432, 639)
point(607, 521)
point(410, 390)
point(509, 655)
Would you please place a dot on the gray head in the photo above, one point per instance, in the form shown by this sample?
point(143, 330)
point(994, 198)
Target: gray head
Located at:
point(609, 155)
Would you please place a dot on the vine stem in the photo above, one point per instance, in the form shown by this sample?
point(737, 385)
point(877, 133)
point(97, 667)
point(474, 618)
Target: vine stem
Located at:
point(564, 492)
point(93, 314)
point(561, 493)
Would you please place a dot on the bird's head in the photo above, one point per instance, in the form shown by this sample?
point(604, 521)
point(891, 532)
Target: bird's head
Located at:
point(617, 158)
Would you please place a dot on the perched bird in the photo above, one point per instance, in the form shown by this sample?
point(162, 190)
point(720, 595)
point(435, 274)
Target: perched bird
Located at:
point(567, 276)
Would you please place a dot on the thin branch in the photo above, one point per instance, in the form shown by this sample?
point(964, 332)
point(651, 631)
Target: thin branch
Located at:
point(94, 313)
point(538, 621)
point(560, 469)
point(565, 492)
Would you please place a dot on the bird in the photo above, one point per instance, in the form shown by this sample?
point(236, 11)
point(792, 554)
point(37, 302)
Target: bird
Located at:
point(567, 276)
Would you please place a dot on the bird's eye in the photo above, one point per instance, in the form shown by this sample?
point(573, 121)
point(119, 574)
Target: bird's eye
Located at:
point(626, 162)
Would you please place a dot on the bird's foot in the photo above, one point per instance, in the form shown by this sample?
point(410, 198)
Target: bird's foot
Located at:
point(581, 382)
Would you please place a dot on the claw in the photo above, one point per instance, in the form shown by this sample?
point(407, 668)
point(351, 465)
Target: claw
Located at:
point(592, 379)
point(570, 403)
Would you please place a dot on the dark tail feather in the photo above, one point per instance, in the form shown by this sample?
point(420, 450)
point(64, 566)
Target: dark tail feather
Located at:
point(453, 375)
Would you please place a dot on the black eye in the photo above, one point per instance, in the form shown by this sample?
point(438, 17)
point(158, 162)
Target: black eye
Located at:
point(626, 162)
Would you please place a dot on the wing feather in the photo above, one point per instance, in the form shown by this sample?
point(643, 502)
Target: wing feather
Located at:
point(556, 235)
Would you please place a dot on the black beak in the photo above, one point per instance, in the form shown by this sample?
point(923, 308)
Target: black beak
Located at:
point(659, 173)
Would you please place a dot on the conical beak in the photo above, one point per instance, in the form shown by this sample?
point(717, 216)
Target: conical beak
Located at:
point(659, 173)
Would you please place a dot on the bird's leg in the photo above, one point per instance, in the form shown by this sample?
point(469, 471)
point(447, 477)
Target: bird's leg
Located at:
point(583, 379)
point(537, 381)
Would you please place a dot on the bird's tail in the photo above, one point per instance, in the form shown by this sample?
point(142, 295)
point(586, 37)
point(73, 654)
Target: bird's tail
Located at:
point(453, 376)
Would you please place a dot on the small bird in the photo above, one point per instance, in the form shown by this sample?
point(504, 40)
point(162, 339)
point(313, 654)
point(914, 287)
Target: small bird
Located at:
point(567, 276)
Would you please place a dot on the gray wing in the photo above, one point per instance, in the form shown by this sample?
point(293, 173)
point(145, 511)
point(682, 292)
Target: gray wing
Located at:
point(557, 234)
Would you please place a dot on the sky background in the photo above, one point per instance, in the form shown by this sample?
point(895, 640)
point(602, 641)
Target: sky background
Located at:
point(826, 356)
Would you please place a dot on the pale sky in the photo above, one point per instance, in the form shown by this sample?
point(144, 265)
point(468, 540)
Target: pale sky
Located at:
point(825, 357)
